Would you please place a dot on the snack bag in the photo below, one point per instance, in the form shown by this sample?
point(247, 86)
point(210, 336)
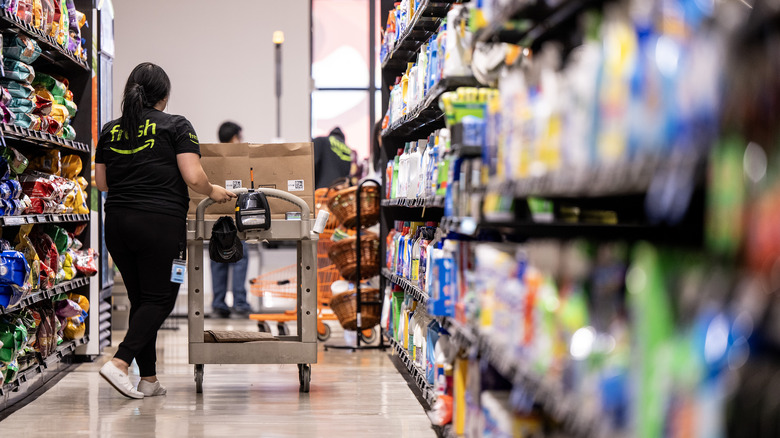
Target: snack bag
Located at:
point(42, 105)
point(71, 166)
point(48, 82)
point(16, 161)
point(60, 113)
point(68, 133)
point(67, 267)
point(25, 10)
point(79, 299)
point(86, 262)
point(14, 270)
point(54, 125)
point(18, 71)
point(17, 89)
point(21, 105)
point(49, 163)
point(21, 48)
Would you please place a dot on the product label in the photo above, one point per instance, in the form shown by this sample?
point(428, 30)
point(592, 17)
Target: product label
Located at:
point(415, 274)
point(231, 184)
point(295, 185)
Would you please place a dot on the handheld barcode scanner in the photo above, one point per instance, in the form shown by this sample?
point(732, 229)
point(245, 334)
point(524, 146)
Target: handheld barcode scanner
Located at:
point(252, 210)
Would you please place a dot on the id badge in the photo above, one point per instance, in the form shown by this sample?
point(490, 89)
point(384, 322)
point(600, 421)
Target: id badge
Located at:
point(178, 271)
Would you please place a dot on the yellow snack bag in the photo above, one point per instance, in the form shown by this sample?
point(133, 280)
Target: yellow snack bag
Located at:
point(71, 166)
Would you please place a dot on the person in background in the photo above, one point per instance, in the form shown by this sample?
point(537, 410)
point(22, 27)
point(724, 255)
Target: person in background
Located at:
point(332, 158)
point(145, 160)
point(376, 152)
point(230, 132)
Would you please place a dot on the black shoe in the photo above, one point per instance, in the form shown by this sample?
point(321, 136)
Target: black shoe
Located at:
point(220, 313)
point(242, 313)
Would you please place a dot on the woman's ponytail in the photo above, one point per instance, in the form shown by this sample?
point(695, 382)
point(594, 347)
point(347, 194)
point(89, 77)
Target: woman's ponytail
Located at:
point(147, 85)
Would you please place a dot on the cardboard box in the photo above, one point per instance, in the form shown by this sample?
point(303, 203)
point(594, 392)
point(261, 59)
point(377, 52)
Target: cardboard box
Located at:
point(283, 166)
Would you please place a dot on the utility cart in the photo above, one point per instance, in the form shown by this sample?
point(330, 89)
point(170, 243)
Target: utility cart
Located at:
point(300, 349)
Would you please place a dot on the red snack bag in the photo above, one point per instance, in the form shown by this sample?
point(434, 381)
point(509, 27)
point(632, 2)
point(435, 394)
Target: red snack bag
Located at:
point(86, 261)
point(36, 186)
point(46, 249)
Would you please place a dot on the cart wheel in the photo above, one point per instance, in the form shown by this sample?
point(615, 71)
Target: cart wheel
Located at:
point(368, 336)
point(283, 330)
point(304, 376)
point(199, 378)
point(322, 337)
point(263, 327)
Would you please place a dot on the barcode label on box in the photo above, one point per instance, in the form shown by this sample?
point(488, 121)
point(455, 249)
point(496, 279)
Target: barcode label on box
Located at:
point(295, 185)
point(232, 184)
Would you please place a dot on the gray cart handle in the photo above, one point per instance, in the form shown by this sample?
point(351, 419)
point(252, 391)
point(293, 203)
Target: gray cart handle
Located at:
point(200, 224)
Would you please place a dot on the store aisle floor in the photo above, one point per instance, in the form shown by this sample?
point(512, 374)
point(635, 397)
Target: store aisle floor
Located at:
point(352, 395)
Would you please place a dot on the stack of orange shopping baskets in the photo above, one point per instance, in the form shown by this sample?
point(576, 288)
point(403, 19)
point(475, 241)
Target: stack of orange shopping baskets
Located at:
point(282, 283)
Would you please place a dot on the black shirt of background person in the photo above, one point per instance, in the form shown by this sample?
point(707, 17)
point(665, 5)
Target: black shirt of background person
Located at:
point(147, 177)
point(332, 158)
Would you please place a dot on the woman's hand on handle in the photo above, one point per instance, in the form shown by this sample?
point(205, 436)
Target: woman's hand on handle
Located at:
point(221, 195)
point(193, 174)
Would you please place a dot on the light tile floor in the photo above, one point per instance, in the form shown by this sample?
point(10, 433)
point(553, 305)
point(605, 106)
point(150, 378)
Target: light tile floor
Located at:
point(352, 395)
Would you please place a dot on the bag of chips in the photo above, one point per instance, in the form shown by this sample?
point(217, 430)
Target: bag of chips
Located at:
point(14, 269)
point(17, 89)
point(25, 11)
point(68, 133)
point(71, 166)
point(36, 186)
point(60, 113)
point(7, 116)
point(16, 161)
point(54, 86)
point(46, 249)
point(19, 71)
point(53, 126)
point(11, 6)
point(42, 105)
point(86, 261)
point(21, 105)
point(66, 266)
point(71, 107)
point(59, 236)
point(48, 163)
point(21, 48)
point(5, 96)
point(23, 120)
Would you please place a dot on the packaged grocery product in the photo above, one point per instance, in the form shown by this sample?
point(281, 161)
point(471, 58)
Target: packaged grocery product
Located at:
point(21, 105)
point(49, 163)
point(14, 269)
point(86, 262)
point(71, 166)
point(16, 161)
point(42, 105)
point(18, 71)
point(53, 85)
point(21, 48)
point(60, 113)
point(17, 89)
point(25, 11)
point(25, 120)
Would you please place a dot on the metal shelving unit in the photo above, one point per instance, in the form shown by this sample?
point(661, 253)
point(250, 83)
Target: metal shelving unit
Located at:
point(407, 286)
point(81, 75)
point(38, 374)
point(417, 375)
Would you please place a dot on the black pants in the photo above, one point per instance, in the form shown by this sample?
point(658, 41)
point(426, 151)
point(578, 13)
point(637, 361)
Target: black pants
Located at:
point(143, 246)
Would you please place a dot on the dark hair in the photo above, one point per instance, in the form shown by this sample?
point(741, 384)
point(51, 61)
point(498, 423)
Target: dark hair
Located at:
point(376, 147)
point(227, 131)
point(147, 84)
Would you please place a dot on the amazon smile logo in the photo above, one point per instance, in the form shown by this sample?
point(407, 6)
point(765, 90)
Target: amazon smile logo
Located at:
point(149, 144)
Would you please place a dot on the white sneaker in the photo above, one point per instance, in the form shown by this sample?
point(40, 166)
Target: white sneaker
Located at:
point(150, 389)
point(119, 380)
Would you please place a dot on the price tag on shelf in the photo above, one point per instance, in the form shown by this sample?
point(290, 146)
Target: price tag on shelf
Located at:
point(14, 220)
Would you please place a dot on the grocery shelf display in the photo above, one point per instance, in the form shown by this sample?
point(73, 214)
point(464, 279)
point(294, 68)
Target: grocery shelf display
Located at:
point(50, 310)
point(577, 232)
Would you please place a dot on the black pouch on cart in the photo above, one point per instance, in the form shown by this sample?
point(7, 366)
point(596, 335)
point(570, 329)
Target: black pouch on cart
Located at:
point(225, 246)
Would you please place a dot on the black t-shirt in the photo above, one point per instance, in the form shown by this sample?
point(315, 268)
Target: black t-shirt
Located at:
point(147, 177)
point(332, 160)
